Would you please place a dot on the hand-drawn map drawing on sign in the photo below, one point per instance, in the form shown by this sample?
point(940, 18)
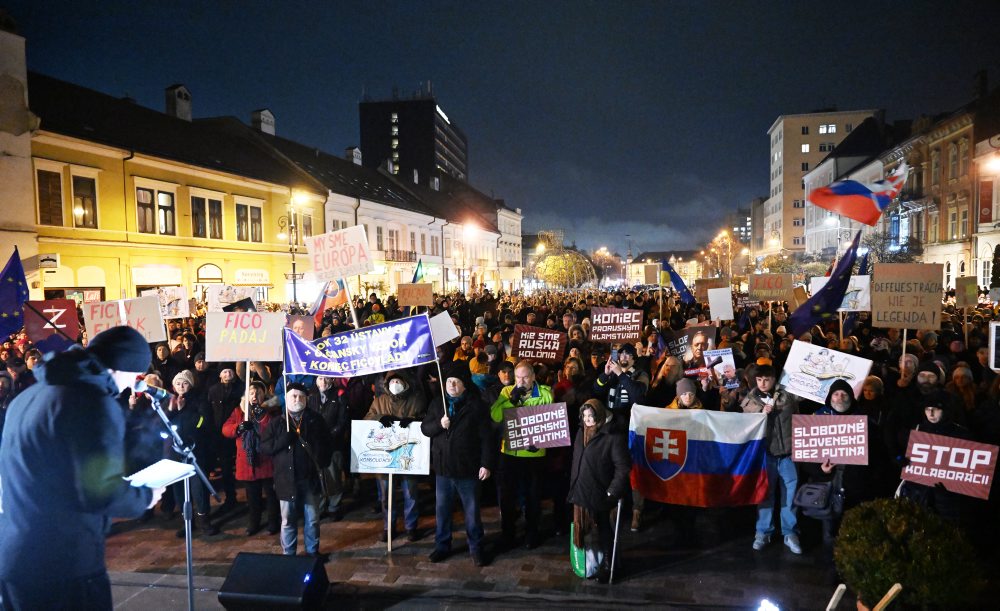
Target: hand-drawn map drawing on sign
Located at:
point(810, 371)
point(393, 449)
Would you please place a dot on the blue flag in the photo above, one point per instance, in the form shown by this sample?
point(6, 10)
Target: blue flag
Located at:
point(13, 294)
point(392, 345)
point(679, 286)
point(824, 304)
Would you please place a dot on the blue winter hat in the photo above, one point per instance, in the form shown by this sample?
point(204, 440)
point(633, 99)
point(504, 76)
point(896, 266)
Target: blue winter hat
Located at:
point(121, 348)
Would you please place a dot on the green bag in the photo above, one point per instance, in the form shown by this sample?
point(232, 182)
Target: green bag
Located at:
point(584, 560)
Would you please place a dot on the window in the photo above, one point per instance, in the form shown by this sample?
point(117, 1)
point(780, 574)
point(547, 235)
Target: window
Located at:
point(155, 210)
point(799, 203)
point(984, 280)
point(796, 222)
point(952, 160)
point(964, 158)
point(796, 241)
point(395, 117)
point(423, 244)
point(805, 130)
point(435, 245)
point(935, 166)
point(848, 127)
point(413, 241)
point(395, 143)
point(378, 239)
point(933, 226)
point(307, 225)
point(805, 148)
point(822, 129)
point(368, 234)
point(206, 217)
point(805, 168)
point(84, 202)
point(242, 222)
point(50, 205)
point(395, 130)
point(393, 239)
point(964, 223)
point(829, 128)
point(947, 275)
point(953, 225)
point(256, 225)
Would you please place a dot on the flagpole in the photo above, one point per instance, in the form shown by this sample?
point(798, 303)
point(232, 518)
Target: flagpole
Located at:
point(840, 317)
point(904, 344)
point(965, 324)
point(388, 519)
point(350, 303)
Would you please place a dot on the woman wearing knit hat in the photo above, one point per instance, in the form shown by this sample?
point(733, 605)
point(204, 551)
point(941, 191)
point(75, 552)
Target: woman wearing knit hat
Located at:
point(599, 478)
point(246, 425)
point(687, 396)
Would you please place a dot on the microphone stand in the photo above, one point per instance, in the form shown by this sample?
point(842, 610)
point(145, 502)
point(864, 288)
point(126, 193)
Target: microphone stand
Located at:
point(188, 453)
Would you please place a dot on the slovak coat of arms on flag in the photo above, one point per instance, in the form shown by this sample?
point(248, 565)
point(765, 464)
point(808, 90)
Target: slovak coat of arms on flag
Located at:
point(666, 451)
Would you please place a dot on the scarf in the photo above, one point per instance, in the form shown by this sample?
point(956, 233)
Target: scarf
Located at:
point(583, 522)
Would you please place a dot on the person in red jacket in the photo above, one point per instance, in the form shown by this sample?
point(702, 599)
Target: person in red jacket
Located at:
point(254, 467)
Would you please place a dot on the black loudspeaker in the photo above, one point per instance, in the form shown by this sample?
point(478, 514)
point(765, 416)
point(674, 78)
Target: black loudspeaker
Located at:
point(274, 581)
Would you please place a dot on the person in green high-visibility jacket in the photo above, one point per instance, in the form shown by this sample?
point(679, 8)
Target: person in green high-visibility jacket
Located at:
point(520, 468)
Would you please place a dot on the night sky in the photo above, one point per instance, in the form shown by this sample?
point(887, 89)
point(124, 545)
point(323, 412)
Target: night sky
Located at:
point(600, 118)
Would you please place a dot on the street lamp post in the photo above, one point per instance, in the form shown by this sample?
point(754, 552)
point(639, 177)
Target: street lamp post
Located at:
point(288, 221)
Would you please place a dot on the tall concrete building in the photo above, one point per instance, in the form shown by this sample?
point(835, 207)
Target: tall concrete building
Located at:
point(412, 137)
point(797, 143)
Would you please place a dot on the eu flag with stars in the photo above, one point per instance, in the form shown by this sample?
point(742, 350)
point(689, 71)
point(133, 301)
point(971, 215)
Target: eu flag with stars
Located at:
point(678, 282)
point(13, 294)
point(824, 304)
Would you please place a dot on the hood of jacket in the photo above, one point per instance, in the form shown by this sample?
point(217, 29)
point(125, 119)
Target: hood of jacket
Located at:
point(840, 384)
point(75, 366)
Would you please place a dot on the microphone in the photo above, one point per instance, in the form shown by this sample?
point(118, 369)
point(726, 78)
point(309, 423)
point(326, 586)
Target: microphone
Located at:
point(153, 391)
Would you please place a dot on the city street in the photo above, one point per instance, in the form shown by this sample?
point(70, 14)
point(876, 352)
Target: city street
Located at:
point(718, 571)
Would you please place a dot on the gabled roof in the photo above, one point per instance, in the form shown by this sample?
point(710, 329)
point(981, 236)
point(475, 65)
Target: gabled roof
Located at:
point(215, 144)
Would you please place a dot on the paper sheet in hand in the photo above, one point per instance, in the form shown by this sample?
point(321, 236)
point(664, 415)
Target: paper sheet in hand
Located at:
point(160, 474)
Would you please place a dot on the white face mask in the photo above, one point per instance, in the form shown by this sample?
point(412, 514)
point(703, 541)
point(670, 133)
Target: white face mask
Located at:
point(396, 386)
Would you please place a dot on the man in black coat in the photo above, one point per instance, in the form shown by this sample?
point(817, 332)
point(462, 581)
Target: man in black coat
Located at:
point(301, 446)
point(61, 465)
point(462, 455)
point(223, 398)
point(331, 401)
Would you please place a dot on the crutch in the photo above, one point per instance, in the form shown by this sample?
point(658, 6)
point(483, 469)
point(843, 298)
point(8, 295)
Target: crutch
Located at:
point(614, 546)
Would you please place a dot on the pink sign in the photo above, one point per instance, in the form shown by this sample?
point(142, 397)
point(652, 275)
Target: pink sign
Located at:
point(843, 440)
point(538, 344)
point(963, 466)
point(542, 426)
point(612, 325)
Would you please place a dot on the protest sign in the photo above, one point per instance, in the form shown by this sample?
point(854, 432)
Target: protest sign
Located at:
point(843, 440)
point(995, 346)
point(858, 297)
point(420, 294)
point(771, 287)
point(676, 342)
point(702, 286)
point(219, 296)
point(651, 273)
point(391, 345)
point(963, 466)
point(966, 292)
point(101, 315)
point(810, 370)
point(243, 336)
point(538, 344)
point(613, 325)
point(143, 315)
point(443, 328)
point(799, 297)
point(744, 301)
point(699, 339)
point(302, 325)
point(340, 254)
point(907, 296)
point(542, 426)
point(173, 300)
point(393, 449)
point(720, 303)
point(723, 367)
point(44, 318)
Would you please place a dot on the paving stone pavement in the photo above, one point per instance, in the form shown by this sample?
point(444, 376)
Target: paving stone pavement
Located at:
point(714, 569)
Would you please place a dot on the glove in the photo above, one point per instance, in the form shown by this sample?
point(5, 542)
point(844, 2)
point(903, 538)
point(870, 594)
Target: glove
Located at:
point(244, 426)
point(386, 421)
point(516, 394)
point(405, 422)
point(532, 449)
point(290, 438)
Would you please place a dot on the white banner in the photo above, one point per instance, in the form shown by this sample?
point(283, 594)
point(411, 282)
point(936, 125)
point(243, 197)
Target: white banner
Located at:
point(173, 300)
point(142, 314)
point(810, 371)
point(396, 450)
point(720, 303)
point(340, 254)
point(243, 336)
point(858, 297)
point(219, 296)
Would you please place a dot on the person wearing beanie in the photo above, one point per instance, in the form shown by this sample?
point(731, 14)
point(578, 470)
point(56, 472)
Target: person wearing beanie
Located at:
point(62, 464)
point(687, 396)
point(300, 446)
point(598, 478)
point(779, 406)
point(462, 456)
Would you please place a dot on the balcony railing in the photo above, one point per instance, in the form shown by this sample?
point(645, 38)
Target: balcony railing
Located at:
point(406, 256)
point(509, 263)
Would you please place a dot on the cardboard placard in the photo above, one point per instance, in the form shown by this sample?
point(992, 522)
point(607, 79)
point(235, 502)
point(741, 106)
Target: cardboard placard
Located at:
point(771, 287)
point(702, 285)
point(173, 300)
point(443, 328)
point(963, 466)
point(101, 315)
point(843, 440)
point(340, 254)
point(858, 297)
point(393, 449)
point(55, 315)
point(420, 294)
point(542, 426)
point(907, 296)
point(966, 292)
point(651, 273)
point(142, 314)
point(810, 370)
point(219, 296)
point(614, 325)
point(799, 296)
point(720, 303)
point(538, 344)
point(243, 336)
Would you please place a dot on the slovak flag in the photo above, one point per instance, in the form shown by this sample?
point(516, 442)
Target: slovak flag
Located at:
point(333, 295)
point(858, 201)
point(698, 457)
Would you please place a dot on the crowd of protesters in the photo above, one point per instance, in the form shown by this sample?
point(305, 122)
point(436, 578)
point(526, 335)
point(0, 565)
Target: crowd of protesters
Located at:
point(286, 439)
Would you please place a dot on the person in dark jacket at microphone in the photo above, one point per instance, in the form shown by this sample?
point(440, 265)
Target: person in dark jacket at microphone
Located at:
point(301, 446)
point(62, 466)
point(462, 455)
